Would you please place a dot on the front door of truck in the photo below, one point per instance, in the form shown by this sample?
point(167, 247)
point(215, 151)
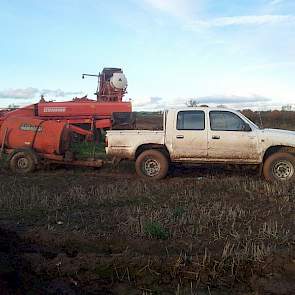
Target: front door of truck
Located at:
point(230, 138)
point(190, 139)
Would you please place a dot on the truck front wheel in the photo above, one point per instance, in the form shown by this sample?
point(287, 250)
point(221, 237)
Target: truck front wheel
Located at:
point(152, 164)
point(279, 167)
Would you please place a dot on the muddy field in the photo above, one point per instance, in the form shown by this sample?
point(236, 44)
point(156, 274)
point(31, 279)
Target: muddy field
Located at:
point(219, 230)
point(200, 231)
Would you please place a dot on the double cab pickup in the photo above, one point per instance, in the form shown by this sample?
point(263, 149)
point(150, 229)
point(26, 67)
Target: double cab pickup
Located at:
point(200, 135)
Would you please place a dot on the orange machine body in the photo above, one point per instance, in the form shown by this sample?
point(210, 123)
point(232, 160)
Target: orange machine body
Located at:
point(83, 114)
point(77, 112)
point(46, 137)
point(87, 108)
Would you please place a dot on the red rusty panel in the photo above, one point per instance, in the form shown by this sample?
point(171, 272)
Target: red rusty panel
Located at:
point(80, 109)
point(103, 123)
point(25, 111)
point(26, 132)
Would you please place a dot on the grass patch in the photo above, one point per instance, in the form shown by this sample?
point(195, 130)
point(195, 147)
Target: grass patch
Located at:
point(155, 230)
point(178, 212)
point(84, 150)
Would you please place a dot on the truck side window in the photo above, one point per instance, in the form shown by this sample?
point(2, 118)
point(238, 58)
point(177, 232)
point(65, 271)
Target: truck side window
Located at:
point(190, 120)
point(226, 121)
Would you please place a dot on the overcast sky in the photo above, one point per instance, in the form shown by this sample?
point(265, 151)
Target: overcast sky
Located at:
point(240, 53)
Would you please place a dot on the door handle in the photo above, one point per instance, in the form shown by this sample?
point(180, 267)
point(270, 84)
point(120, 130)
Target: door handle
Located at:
point(179, 136)
point(215, 137)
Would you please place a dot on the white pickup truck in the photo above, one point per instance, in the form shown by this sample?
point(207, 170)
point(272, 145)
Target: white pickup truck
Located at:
point(205, 135)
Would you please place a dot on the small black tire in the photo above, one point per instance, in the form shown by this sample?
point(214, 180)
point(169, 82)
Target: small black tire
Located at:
point(22, 163)
point(279, 167)
point(152, 164)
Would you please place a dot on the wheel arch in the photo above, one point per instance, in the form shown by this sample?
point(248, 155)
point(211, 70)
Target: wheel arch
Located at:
point(152, 146)
point(278, 149)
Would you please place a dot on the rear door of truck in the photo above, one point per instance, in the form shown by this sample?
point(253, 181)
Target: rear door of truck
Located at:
point(189, 135)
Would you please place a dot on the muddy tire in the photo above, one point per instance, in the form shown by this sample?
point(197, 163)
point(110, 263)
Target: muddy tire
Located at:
point(279, 167)
point(152, 164)
point(22, 162)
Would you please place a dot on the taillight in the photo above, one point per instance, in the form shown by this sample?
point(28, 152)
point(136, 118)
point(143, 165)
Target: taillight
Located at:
point(106, 141)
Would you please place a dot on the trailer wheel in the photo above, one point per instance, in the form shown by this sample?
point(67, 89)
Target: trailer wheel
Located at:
point(279, 167)
point(22, 162)
point(152, 164)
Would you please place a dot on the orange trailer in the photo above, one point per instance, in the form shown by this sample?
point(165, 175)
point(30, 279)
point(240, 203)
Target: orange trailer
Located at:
point(31, 141)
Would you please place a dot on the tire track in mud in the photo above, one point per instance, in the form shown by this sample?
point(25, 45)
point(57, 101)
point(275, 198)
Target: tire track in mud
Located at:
point(20, 260)
point(16, 274)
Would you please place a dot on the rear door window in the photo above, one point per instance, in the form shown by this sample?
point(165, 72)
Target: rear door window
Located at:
point(190, 120)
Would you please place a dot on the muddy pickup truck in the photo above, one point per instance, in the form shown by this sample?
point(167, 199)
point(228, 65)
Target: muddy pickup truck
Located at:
point(205, 135)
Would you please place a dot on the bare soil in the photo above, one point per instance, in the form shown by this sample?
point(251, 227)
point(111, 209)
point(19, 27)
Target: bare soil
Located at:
point(219, 230)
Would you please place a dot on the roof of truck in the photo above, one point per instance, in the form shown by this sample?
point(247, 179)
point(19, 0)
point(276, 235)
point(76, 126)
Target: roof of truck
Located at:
point(204, 108)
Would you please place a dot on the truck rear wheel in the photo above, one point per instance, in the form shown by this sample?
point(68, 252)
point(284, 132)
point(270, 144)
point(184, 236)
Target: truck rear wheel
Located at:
point(152, 164)
point(279, 167)
point(22, 162)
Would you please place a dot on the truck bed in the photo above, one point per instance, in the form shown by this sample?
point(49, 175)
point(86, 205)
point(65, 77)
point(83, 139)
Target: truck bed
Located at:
point(122, 142)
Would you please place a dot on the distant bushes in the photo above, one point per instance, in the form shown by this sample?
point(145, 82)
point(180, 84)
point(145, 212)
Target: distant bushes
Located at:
point(272, 119)
point(269, 119)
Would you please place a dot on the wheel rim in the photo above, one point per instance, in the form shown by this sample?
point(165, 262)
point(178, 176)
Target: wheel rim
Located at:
point(151, 167)
point(283, 170)
point(22, 163)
